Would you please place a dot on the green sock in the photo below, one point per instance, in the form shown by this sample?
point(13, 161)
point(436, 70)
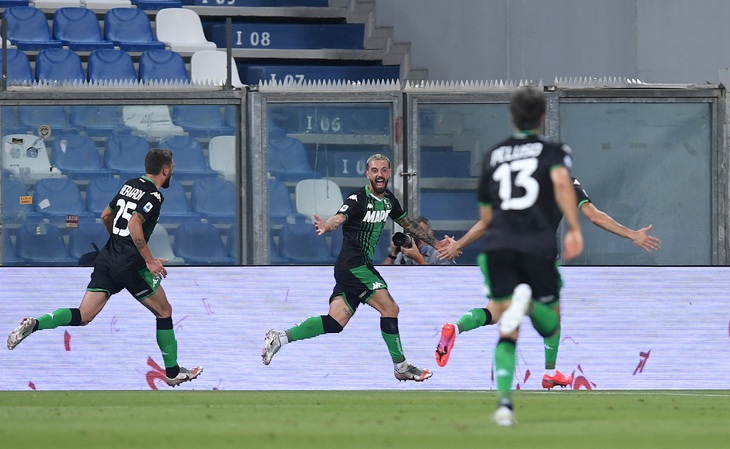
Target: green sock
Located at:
point(168, 345)
point(394, 347)
point(309, 328)
point(551, 348)
point(504, 367)
point(544, 319)
point(473, 319)
point(60, 317)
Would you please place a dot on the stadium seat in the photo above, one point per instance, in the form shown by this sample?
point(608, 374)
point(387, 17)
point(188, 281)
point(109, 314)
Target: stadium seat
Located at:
point(57, 198)
point(28, 28)
point(18, 68)
point(10, 256)
point(222, 155)
point(182, 30)
point(190, 161)
point(201, 120)
point(125, 155)
point(10, 122)
point(59, 66)
point(200, 244)
point(299, 244)
point(280, 204)
point(11, 3)
point(232, 241)
point(157, 4)
point(42, 244)
point(208, 67)
point(16, 202)
point(80, 239)
point(110, 65)
point(98, 121)
point(77, 157)
point(151, 121)
point(78, 29)
point(231, 116)
point(162, 66)
point(26, 158)
point(317, 196)
point(130, 30)
point(449, 205)
point(99, 192)
point(288, 158)
point(161, 248)
point(55, 117)
point(215, 199)
point(176, 208)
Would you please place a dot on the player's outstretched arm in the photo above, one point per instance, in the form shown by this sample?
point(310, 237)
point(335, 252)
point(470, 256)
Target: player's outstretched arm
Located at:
point(455, 247)
point(641, 237)
point(332, 223)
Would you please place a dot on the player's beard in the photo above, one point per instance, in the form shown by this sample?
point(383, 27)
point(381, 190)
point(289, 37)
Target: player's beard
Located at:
point(166, 184)
point(375, 189)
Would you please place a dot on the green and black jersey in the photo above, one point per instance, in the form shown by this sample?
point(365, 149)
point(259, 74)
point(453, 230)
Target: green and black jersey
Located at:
point(137, 196)
point(366, 217)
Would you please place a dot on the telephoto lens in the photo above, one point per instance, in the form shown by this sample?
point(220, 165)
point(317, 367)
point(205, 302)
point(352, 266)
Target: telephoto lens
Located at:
point(401, 239)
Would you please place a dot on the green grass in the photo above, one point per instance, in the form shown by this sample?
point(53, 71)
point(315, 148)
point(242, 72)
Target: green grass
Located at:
point(362, 419)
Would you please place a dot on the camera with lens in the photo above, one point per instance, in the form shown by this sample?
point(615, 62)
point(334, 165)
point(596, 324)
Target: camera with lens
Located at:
point(404, 239)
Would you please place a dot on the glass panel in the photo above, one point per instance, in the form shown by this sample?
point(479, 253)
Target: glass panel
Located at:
point(636, 162)
point(316, 154)
point(452, 140)
point(63, 164)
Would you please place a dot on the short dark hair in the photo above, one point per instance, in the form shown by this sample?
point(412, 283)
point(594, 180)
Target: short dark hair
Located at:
point(156, 160)
point(424, 220)
point(527, 108)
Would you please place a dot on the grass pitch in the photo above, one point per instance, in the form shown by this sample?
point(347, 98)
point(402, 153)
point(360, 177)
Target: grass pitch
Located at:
point(362, 419)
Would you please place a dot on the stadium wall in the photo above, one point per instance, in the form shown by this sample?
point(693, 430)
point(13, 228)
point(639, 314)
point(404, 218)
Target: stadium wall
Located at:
point(623, 329)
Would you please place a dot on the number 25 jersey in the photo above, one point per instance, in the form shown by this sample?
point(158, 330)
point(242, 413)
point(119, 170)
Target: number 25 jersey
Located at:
point(516, 182)
point(137, 196)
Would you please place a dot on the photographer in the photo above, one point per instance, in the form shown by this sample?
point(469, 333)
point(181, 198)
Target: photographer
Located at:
point(407, 249)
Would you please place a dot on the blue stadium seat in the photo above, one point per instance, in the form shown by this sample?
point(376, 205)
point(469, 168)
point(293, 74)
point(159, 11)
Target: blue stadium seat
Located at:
point(130, 29)
point(78, 28)
point(445, 164)
point(77, 157)
point(299, 244)
point(55, 117)
point(19, 71)
point(292, 74)
point(215, 199)
point(107, 65)
point(13, 211)
point(190, 161)
point(280, 204)
point(232, 241)
point(125, 154)
point(449, 205)
point(28, 28)
point(300, 36)
point(59, 65)
point(231, 116)
point(56, 198)
point(80, 240)
point(10, 122)
point(100, 192)
point(42, 244)
point(201, 244)
point(99, 121)
point(274, 253)
point(161, 66)
point(288, 158)
point(11, 3)
point(201, 120)
point(10, 257)
point(176, 208)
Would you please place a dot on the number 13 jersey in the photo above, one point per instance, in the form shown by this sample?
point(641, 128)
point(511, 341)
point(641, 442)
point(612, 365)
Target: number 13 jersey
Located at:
point(516, 182)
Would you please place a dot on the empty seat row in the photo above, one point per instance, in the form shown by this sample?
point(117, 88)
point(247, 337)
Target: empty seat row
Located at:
point(213, 200)
point(127, 28)
point(38, 243)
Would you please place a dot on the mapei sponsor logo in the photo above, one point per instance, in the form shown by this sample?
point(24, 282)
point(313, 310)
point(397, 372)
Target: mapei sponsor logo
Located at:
point(375, 216)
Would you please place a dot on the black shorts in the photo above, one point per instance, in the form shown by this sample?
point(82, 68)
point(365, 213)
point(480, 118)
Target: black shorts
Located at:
point(140, 283)
point(504, 270)
point(357, 284)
